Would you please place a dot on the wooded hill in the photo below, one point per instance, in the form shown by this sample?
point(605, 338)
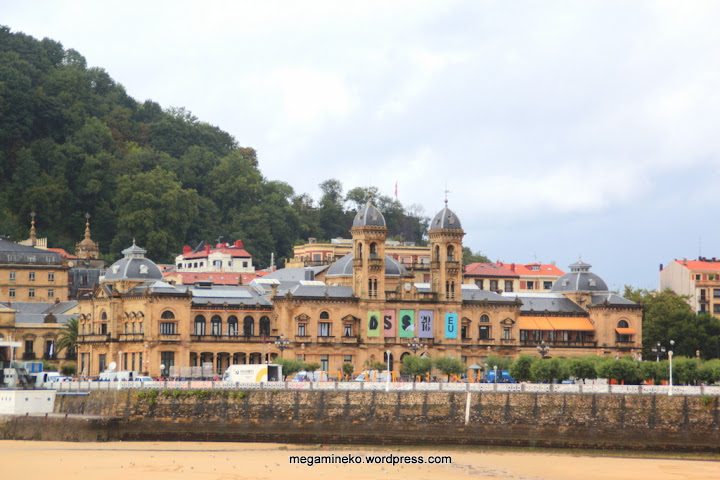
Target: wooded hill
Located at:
point(73, 141)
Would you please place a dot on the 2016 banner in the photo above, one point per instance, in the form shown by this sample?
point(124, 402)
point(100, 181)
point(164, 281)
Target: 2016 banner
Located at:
point(373, 324)
point(389, 323)
point(426, 323)
point(407, 323)
point(451, 325)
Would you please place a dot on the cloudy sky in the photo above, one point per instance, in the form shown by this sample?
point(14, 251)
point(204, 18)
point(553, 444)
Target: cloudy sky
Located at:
point(560, 129)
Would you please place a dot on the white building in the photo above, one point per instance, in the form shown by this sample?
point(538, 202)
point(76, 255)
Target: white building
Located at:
point(224, 257)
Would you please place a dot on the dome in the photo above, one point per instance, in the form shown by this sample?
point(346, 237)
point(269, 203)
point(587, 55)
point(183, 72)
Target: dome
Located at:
point(133, 267)
point(369, 215)
point(344, 267)
point(580, 279)
point(445, 219)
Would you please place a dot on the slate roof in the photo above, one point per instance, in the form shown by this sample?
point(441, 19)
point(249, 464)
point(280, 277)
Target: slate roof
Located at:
point(580, 279)
point(369, 215)
point(612, 299)
point(14, 253)
point(296, 274)
point(445, 219)
point(35, 312)
point(344, 267)
point(541, 302)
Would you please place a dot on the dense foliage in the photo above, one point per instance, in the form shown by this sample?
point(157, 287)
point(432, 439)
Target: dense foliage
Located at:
point(73, 141)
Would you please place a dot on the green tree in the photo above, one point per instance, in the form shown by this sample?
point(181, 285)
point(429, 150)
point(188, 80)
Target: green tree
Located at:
point(544, 370)
point(685, 371)
point(67, 338)
point(290, 366)
point(69, 370)
point(520, 370)
point(348, 369)
point(709, 372)
point(311, 367)
point(416, 366)
point(474, 257)
point(622, 370)
point(450, 366)
point(582, 368)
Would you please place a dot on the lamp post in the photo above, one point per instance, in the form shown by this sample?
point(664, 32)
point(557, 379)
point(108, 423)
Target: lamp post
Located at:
point(415, 345)
point(543, 349)
point(659, 350)
point(162, 370)
point(495, 370)
point(282, 343)
point(670, 355)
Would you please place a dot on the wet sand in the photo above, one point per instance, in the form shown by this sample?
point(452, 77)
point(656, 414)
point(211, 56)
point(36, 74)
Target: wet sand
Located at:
point(229, 461)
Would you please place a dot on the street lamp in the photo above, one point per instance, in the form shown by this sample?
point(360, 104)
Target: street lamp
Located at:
point(543, 349)
point(282, 343)
point(495, 370)
point(658, 351)
point(670, 355)
point(415, 345)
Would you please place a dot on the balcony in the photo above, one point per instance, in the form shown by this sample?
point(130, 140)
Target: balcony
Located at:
point(349, 340)
point(169, 337)
point(29, 356)
point(98, 337)
point(231, 338)
point(131, 337)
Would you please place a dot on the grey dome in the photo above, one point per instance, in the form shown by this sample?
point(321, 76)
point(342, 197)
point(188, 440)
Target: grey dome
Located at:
point(344, 267)
point(369, 215)
point(445, 219)
point(133, 267)
point(580, 279)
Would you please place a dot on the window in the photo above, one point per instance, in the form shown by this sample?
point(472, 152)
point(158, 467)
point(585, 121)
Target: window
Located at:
point(31, 276)
point(484, 319)
point(347, 332)
point(199, 325)
point(51, 276)
point(12, 293)
point(324, 363)
point(479, 283)
point(249, 326)
point(216, 325)
point(167, 359)
point(716, 308)
point(530, 285)
point(29, 346)
point(716, 293)
point(168, 328)
point(450, 290)
point(102, 362)
point(493, 285)
point(217, 263)
point(103, 328)
point(12, 276)
point(547, 285)
point(301, 329)
point(167, 315)
point(464, 332)
point(484, 332)
point(31, 293)
point(232, 325)
point(523, 335)
point(508, 285)
point(506, 333)
point(51, 293)
point(265, 326)
point(245, 264)
point(372, 288)
point(347, 359)
point(324, 329)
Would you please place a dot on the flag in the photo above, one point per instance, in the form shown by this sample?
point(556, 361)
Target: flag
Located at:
point(396, 189)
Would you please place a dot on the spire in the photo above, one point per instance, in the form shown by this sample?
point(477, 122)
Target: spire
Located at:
point(87, 249)
point(33, 234)
point(87, 226)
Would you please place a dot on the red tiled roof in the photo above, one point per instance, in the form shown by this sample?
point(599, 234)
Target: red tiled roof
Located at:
point(544, 270)
point(217, 278)
point(233, 252)
point(699, 264)
point(61, 252)
point(489, 270)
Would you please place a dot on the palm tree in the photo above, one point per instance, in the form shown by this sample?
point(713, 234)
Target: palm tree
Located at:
point(68, 337)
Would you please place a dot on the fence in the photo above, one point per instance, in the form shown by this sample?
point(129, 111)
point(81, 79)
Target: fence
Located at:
point(590, 389)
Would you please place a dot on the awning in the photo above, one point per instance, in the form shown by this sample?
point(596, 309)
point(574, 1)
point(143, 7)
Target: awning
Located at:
point(535, 323)
point(625, 331)
point(577, 324)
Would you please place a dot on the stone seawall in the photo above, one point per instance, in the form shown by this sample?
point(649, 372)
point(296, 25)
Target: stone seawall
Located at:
point(639, 422)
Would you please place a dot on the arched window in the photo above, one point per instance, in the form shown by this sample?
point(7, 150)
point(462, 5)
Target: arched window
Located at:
point(359, 252)
point(216, 325)
point(484, 319)
point(451, 253)
point(623, 332)
point(103, 316)
point(324, 316)
point(232, 325)
point(199, 325)
point(373, 250)
point(249, 326)
point(265, 325)
point(436, 254)
point(167, 315)
point(623, 324)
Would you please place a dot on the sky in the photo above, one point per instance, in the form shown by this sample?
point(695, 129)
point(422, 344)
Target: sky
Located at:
point(560, 130)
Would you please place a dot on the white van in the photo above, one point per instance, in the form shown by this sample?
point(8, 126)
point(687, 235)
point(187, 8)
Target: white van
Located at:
point(253, 373)
point(124, 376)
point(48, 377)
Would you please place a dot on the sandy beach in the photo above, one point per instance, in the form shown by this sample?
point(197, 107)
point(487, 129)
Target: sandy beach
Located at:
point(229, 461)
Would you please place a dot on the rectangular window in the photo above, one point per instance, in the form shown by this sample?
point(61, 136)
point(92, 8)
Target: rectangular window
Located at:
point(31, 276)
point(245, 264)
point(216, 328)
point(508, 285)
point(464, 331)
point(716, 308)
point(494, 285)
point(347, 359)
point(324, 363)
point(530, 285)
point(167, 328)
point(12, 276)
point(324, 329)
point(716, 293)
point(523, 335)
point(484, 332)
point(547, 285)
point(167, 359)
point(29, 346)
point(51, 293)
point(51, 277)
point(506, 333)
point(479, 283)
point(103, 328)
point(348, 330)
point(31, 293)
point(102, 362)
point(12, 293)
point(301, 329)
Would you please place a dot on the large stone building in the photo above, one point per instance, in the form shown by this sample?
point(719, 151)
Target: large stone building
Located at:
point(367, 308)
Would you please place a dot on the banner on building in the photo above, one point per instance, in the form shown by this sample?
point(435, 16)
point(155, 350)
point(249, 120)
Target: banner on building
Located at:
point(373, 325)
point(406, 324)
point(451, 325)
point(426, 323)
point(389, 323)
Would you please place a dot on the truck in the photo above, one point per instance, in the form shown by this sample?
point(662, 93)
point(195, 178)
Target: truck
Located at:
point(253, 373)
point(503, 377)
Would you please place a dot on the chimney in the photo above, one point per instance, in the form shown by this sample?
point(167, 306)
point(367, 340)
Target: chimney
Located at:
point(207, 249)
point(661, 267)
point(187, 249)
point(512, 267)
point(685, 261)
point(238, 244)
